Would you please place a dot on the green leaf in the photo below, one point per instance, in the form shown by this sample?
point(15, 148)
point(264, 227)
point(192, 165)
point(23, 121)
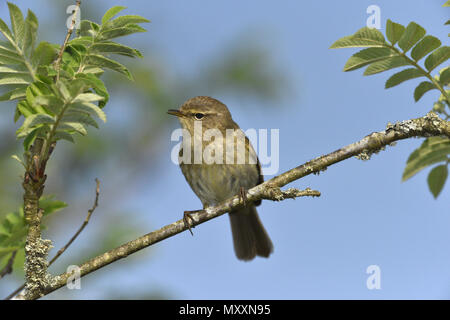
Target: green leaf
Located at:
point(124, 21)
point(79, 117)
point(17, 93)
point(97, 85)
point(31, 26)
point(88, 97)
point(43, 55)
point(117, 48)
point(62, 135)
point(447, 4)
point(111, 13)
point(433, 150)
point(423, 88)
point(365, 37)
point(444, 76)
point(12, 70)
point(424, 47)
point(89, 108)
point(73, 127)
point(120, 32)
point(367, 56)
point(394, 31)
point(24, 108)
point(5, 30)
point(15, 79)
point(17, 23)
point(52, 103)
point(437, 57)
point(32, 121)
point(387, 64)
point(402, 76)
point(49, 205)
point(436, 179)
point(411, 36)
point(103, 62)
point(29, 139)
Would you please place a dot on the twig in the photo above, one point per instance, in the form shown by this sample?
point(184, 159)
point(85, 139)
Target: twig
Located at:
point(66, 40)
point(85, 222)
point(9, 266)
point(63, 249)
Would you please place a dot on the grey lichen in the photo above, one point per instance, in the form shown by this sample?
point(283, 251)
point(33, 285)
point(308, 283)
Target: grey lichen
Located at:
point(36, 266)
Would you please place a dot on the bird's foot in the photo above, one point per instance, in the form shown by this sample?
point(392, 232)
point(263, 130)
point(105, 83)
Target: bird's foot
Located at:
point(243, 195)
point(187, 215)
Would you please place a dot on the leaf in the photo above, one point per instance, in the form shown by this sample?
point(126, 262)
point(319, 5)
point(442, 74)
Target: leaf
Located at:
point(124, 21)
point(437, 57)
point(423, 88)
point(444, 76)
point(49, 205)
point(78, 117)
point(17, 23)
point(436, 179)
point(15, 79)
point(387, 64)
point(111, 13)
point(104, 62)
point(394, 31)
point(120, 32)
point(411, 36)
point(73, 127)
point(62, 135)
point(402, 76)
point(117, 48)
point(97, 85)
point(367, 56)
point(365, 37)
point(88, 97)
point(433, 150)
point(31, 26)
point(17, 93)
point(424, 47)
point(12, 69)
point(89, 108)
point(5, 30)
point(447, 4)
point(32, 121)
point(43, 55)
point(52, 103)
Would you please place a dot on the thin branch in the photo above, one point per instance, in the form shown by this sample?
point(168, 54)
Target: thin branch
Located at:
point(9, 265)
point(63, 249)
point(85, 223)
point(66, 40)
point(429, 125)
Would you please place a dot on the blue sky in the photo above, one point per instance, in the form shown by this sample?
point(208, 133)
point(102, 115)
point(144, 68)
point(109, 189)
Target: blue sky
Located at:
point(365, 216)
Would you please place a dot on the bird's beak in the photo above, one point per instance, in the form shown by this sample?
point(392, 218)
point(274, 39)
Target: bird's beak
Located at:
point(175, 112)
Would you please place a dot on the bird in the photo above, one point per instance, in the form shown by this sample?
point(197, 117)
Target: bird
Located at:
point(228, 175)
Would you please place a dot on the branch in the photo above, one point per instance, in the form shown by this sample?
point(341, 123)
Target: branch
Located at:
point(66, 40)
point(85, 223)
point(429, 125)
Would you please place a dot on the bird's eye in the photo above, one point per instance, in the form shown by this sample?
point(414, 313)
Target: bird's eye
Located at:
point(199, 116)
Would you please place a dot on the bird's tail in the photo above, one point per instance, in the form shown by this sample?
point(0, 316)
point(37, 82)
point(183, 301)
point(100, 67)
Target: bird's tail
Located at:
point(249, 236)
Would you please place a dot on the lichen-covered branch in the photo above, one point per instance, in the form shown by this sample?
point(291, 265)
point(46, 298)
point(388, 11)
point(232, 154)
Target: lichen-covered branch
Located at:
point(429, 125)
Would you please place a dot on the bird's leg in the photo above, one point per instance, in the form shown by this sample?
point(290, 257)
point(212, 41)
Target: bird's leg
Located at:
point(243, 195)
point(186, 216)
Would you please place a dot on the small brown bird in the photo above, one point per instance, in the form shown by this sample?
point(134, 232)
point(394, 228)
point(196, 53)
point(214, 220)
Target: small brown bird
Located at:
point(226, 176)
